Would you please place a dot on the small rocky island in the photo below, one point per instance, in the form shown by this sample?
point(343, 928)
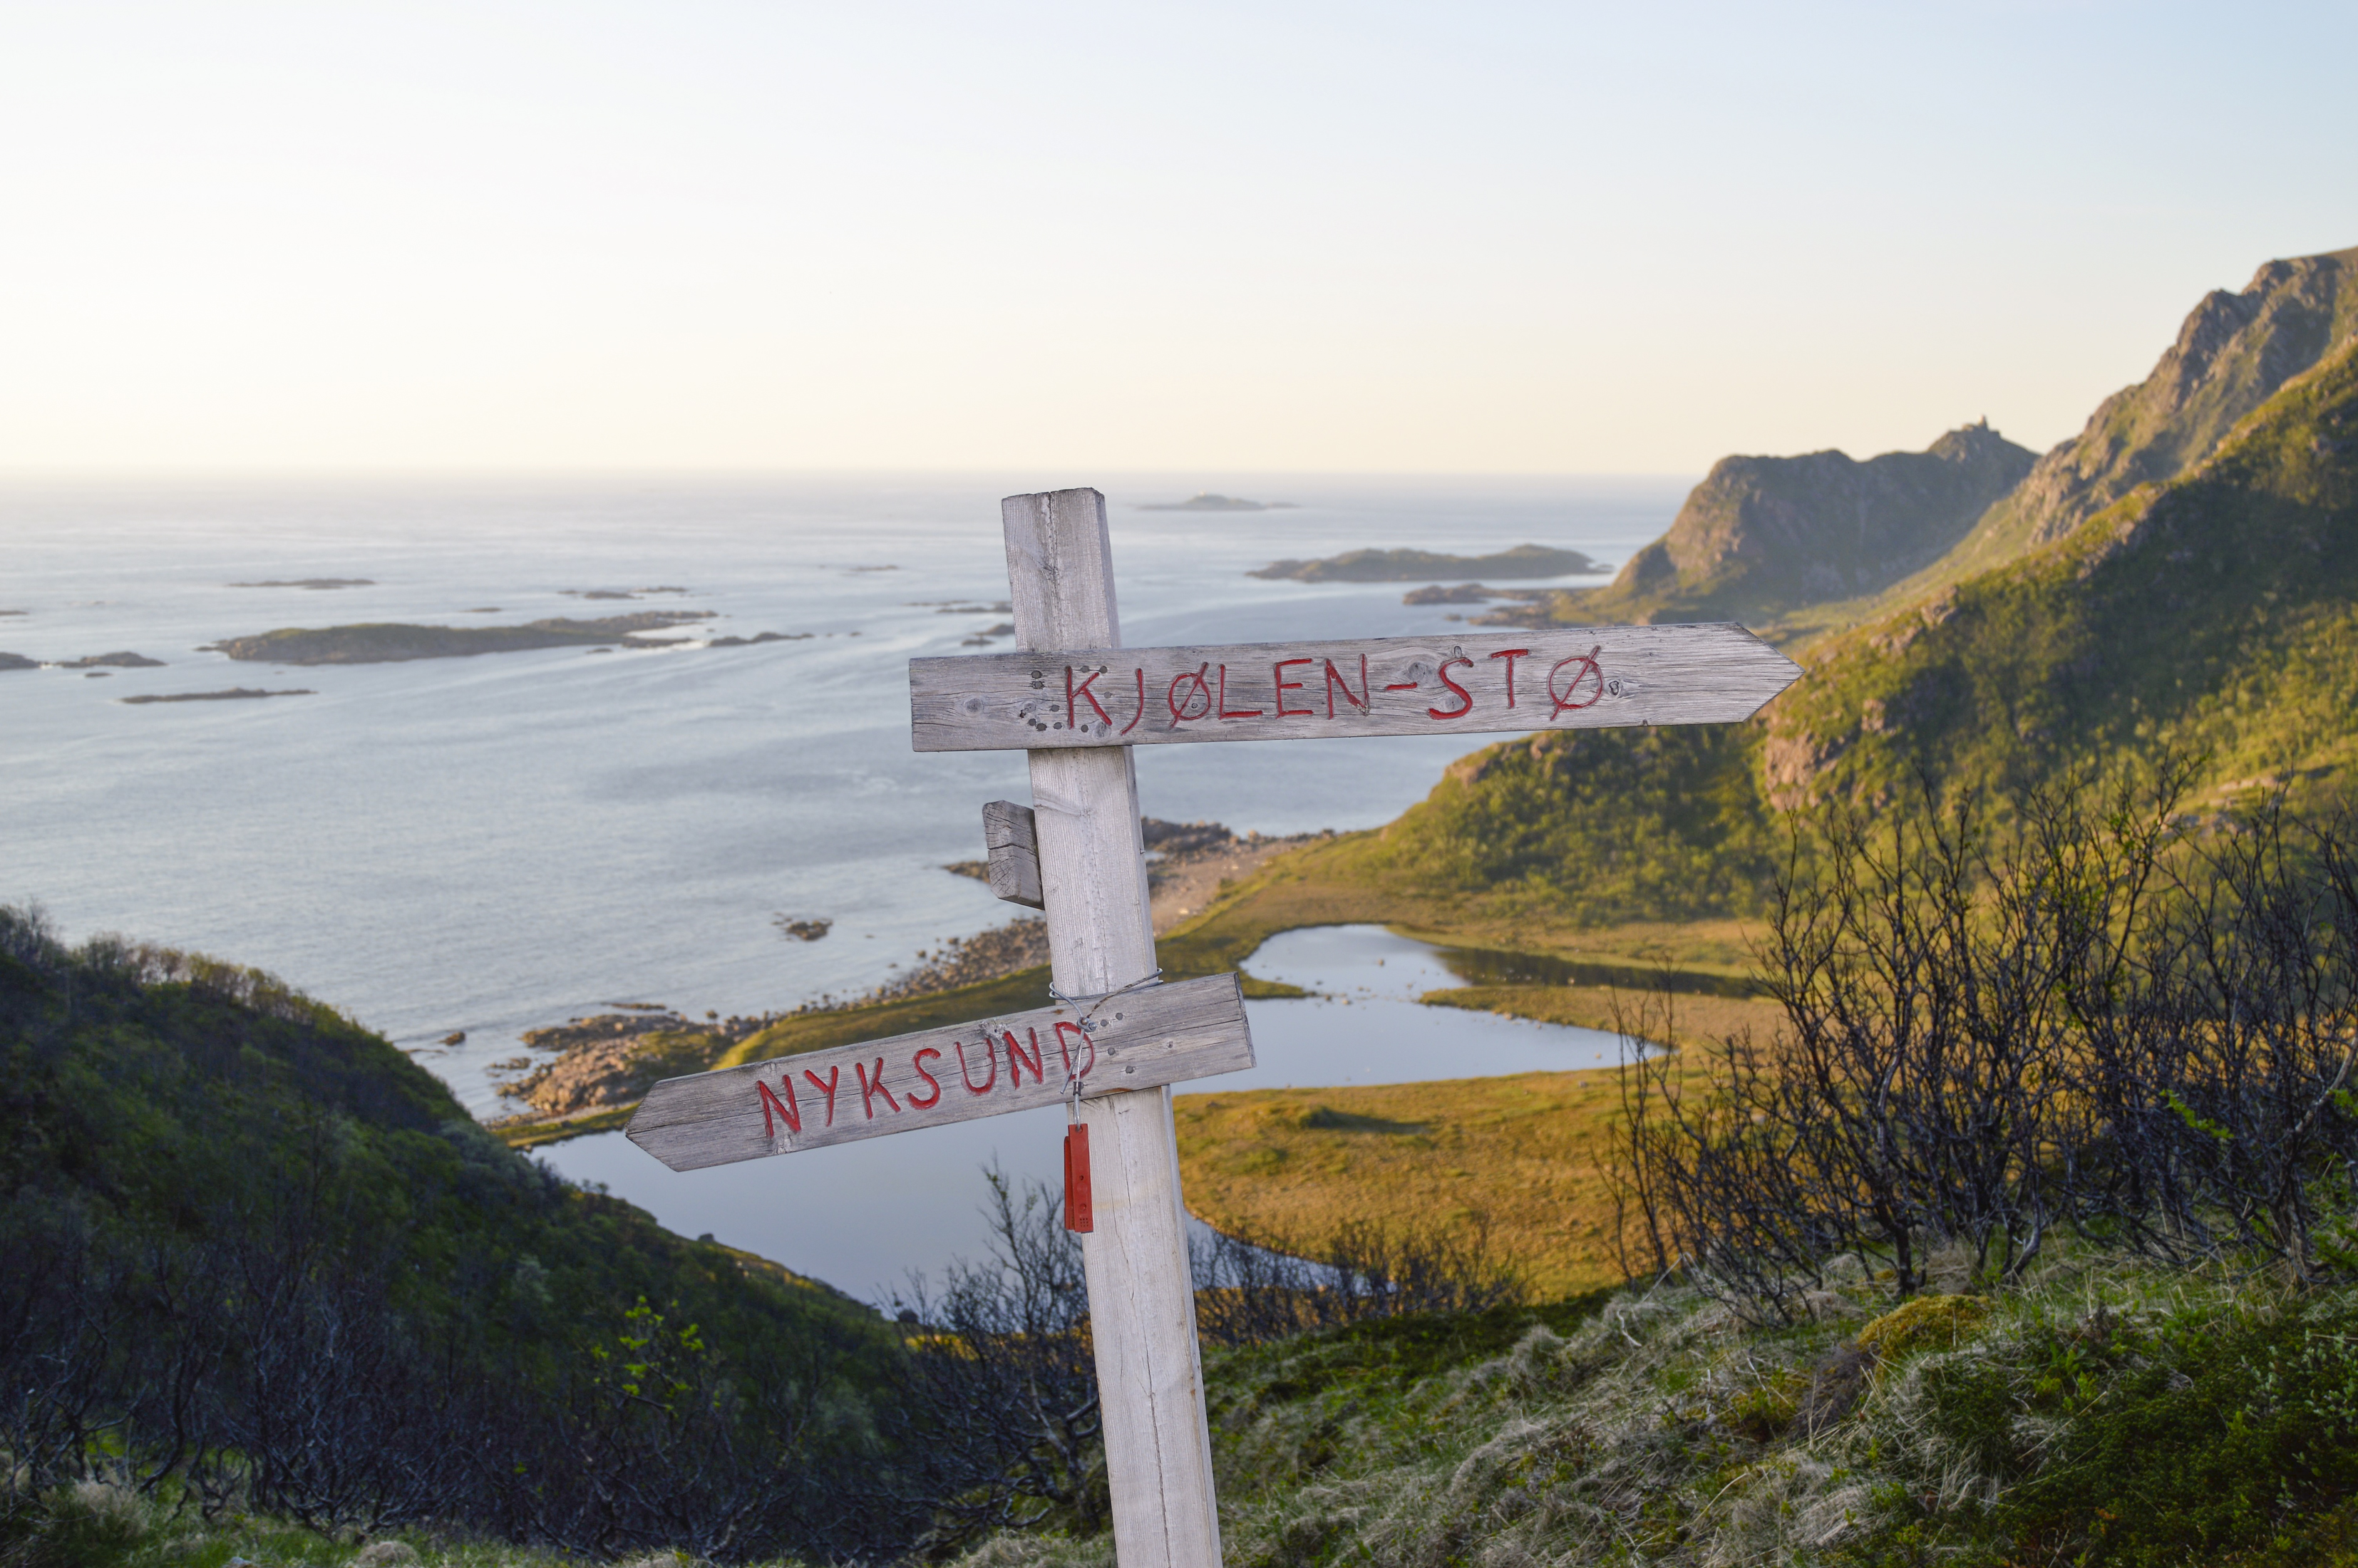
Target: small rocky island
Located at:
point(1475, 594)
point(311, 582)
point(231, 695)
point(1407, 565)
point(388, 642)
point(124, 660)
point(1210, 502)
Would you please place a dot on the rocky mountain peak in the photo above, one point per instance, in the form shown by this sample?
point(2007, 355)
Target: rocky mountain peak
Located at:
point(2231, 353)
point(1763, 535)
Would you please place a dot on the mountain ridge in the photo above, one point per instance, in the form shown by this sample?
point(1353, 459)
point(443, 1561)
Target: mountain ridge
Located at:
point(1763, 535)
point(2232, 353)
point(2212, 616)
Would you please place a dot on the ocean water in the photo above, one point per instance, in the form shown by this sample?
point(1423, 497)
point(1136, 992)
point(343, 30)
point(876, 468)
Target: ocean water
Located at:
point(495, 843)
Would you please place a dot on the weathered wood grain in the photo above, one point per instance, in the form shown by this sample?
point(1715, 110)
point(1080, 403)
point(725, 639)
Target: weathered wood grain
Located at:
point(1144, 1039)
point(1093, 867)
point(1013, 847)
point(1562, 678)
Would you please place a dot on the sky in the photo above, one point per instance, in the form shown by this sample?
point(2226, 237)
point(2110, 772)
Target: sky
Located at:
point(1363, 237)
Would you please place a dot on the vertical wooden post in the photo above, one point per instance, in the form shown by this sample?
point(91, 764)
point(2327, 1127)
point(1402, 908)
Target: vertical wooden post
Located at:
point(1100, 936)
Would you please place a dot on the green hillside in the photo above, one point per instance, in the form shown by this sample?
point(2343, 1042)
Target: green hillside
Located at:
point(256, 1253)
point(1599, 827)
point(2213, 614)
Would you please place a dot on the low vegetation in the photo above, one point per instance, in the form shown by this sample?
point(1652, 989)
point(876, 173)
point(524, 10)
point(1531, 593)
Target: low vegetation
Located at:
point(1519, 1161)
point(2098, 1410)
point(260, 1263)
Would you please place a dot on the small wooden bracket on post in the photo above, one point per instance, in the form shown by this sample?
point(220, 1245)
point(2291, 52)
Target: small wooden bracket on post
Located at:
point(1015, 850)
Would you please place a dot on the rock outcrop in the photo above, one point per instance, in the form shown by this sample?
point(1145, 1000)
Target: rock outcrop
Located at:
point(2233, 353)
point(1763, 537)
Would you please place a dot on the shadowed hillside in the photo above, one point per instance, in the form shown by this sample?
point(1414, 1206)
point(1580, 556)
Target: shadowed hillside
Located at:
point(256, 1256)
point(1761, 537)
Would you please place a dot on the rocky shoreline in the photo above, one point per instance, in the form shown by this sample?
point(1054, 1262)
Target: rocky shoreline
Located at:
point(604, 1063)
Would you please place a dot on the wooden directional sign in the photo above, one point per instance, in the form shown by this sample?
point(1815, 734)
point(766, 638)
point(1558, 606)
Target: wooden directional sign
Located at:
point(1577, 678)
point(1080, 857)
point(1139, 1039)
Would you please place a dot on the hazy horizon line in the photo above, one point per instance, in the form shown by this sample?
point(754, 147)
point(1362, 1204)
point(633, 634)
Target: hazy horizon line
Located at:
point(531, 473)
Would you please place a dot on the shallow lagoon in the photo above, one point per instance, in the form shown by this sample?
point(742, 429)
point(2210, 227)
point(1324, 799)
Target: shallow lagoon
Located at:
point(863, 1215)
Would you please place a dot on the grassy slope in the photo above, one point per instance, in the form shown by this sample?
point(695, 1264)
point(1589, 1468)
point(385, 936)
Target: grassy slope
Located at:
point(2105, 1416)
point(2213, 613)
point(1517, 1154)
point(2102, 1415)
point(189, 1110)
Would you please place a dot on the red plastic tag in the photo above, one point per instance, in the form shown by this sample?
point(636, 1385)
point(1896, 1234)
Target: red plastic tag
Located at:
point(1076, 1177)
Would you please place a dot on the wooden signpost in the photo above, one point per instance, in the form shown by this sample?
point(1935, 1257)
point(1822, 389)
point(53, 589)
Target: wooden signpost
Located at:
point(1077, 701)
point(1575, 678)
point(1024, 1061)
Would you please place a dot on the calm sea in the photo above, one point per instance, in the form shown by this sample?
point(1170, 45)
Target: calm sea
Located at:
point(495, 843)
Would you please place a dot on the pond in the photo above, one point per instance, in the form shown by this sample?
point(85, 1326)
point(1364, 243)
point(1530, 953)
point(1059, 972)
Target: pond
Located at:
point(863, 1217)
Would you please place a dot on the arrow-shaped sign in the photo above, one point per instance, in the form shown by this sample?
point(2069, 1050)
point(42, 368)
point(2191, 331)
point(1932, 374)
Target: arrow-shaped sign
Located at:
point(1581, 678)
point(1138, 1039)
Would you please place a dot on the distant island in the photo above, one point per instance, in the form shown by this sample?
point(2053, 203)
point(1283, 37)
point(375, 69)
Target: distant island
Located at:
point(126, 660)
point(761, 637)
point(18, 661)
point(1476, 593)
point(1407, 565)
point(1209, 502)
point(378, 642)
point(313, 582)
point(231, 694)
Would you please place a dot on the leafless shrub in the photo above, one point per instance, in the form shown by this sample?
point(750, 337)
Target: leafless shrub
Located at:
point(2094, 1018)
point(997, 1424)
point(1250, 1290)
point(999, 1413)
